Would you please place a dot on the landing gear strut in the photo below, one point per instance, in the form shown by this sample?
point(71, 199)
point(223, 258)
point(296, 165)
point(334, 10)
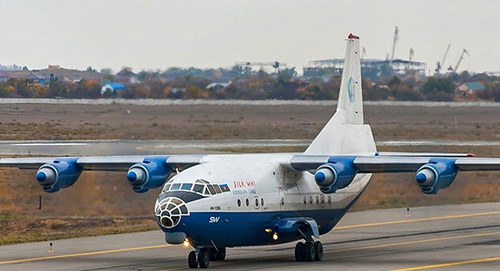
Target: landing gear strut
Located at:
point(203, 256)
point(309, 250)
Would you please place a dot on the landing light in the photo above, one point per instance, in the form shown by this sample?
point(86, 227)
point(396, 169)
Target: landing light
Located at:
point(268, 230)
point(186, 243)
point(275, 236)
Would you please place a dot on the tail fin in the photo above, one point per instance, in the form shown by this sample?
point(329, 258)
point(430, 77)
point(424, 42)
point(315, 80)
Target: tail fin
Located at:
point(345, 132)
point(351, 94)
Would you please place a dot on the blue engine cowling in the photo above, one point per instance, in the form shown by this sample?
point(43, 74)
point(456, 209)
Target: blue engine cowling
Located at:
point(151, 173)
point(62, 173)
point(335, 175)
point(435, 175)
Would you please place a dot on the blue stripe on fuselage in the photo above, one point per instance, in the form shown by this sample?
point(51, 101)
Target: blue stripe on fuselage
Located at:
point(230, 229)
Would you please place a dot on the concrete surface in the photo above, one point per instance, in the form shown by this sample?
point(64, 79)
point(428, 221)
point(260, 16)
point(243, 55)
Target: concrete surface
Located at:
point(450, 237)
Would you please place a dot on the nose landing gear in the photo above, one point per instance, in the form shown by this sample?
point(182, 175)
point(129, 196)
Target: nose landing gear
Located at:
point(203, 256)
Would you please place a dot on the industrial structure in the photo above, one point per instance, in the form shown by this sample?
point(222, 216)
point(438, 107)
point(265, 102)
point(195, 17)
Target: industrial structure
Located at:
point(371, 68)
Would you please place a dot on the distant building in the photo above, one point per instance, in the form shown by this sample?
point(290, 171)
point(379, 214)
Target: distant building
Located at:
point(218, 84)
point(371, 68)
point(113, 87)
point(470, 88)
point(4, 76)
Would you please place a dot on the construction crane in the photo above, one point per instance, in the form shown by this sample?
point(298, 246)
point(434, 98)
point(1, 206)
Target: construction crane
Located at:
point(276, 65)
point(411, 57)
point(440, 64)
point(396, 38)
point(461, 57)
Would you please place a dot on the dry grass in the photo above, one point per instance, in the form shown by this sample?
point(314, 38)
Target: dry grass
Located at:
point(73, 212)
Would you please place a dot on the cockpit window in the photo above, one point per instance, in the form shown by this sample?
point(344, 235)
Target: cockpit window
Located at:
point(198, 188)
point(186, 186)
point(211, 189)
point(207, 192)
point(166, 188)
point(217, 189)
point(176, 186)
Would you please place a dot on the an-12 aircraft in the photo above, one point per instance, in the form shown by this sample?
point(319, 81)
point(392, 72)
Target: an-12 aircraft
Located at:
point(212, 202)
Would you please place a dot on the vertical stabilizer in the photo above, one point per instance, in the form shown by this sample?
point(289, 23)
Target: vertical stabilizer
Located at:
point(351, 96)
point(345, 133)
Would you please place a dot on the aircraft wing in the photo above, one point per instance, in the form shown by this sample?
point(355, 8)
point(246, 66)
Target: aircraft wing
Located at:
point(394, 163)
point(143, 172)
point(431, 173)
point(105, 163)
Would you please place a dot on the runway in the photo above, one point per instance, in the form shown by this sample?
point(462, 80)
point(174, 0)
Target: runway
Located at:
point(451, 237)
point(140, 147)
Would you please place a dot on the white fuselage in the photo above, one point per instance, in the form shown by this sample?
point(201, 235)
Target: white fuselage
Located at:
point(261, 190)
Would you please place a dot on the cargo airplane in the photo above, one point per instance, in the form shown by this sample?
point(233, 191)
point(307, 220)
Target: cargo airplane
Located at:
point(214, 202)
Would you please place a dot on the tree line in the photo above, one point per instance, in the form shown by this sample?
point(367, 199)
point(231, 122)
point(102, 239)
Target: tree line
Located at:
point(245, 84)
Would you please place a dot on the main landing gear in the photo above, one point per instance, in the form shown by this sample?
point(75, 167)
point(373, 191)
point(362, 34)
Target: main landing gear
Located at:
point(309, 250)
point(203, 256)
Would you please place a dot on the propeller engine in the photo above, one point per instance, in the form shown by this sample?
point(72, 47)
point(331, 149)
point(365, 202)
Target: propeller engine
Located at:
point(335, 175)
point(61, 173)
point(151, 173)
point(435, 175)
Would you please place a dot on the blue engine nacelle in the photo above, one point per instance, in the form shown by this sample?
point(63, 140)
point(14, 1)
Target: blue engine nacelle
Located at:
point(335, 175)
point(151, 173)
point(61, 173)
point(435, 175)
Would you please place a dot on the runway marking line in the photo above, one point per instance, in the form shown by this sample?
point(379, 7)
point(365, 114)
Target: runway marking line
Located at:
point(341, 250)
point(432, 266)
point(91, 253)
point(415, 220)
point(416, 242)
point(377, 246)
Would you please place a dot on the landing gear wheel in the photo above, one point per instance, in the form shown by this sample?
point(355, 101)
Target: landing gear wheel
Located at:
point(204, 258)
point(309, 252)
point(192, 263)
point(221, 254)
point(217, 255)
point(213, 254)
point(319, 251)
point(299, 252)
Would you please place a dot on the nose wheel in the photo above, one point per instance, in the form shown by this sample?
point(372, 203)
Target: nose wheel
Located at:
point(202, 256)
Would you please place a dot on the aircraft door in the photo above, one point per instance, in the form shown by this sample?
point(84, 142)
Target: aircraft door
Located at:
point(282, 199)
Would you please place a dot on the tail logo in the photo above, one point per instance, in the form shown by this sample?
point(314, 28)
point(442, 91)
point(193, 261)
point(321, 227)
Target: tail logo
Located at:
point(351, 90)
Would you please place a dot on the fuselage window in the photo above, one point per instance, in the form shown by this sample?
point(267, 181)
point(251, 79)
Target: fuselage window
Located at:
point(317, 200)
point(256, 202)
point(239, 203)
point(166, 188)
point(186, 186)
point(217, 189)
point(262, 201)
point(311, 199)
point(329, 199)
point(212, 190)
point(305, 200)
point(247, 202)
point(198, 188)
point(176, 186)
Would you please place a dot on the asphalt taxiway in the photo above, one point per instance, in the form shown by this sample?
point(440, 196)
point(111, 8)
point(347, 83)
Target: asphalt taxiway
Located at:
point(451, 237)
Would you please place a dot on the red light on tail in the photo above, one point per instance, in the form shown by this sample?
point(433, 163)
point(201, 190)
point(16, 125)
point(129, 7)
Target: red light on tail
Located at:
point(352, 36)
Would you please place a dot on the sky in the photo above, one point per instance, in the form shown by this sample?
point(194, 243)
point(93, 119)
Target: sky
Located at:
point(154, 34)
